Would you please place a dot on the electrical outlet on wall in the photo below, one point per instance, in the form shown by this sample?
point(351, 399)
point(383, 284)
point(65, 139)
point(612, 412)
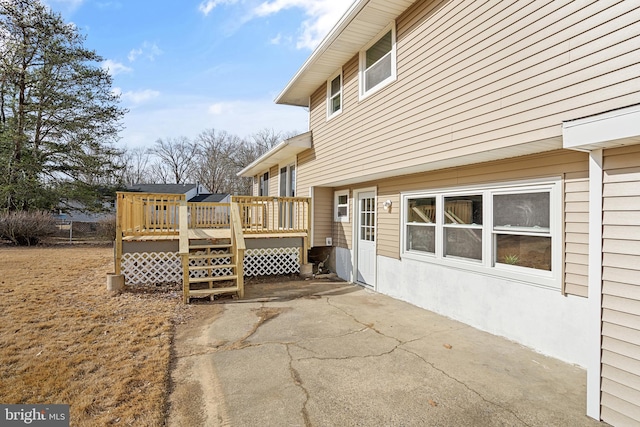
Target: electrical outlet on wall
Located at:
point(329, 241)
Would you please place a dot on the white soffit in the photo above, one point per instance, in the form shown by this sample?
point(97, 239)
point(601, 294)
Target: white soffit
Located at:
point(279, 154)
point(607, 130)
point(357, 27)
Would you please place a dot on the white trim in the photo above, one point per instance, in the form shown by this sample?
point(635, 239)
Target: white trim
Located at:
point(363, 93)
point(287, 149)
point(336, 195)
point(313, 217)
point(594, 328)
point(354, 234)
point(548, 279)
point(331, 114)
point(607, 130)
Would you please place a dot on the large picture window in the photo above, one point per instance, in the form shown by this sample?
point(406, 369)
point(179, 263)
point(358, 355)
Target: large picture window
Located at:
point(510, 230)
point(378, 62)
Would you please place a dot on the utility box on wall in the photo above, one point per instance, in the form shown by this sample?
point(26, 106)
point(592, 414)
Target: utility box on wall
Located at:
point(328, 241)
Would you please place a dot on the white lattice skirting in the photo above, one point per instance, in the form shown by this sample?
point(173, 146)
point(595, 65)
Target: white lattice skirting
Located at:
point(148, 268)
point(270, 261)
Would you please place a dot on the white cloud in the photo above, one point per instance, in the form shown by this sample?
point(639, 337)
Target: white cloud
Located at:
point(322, 16)
point(148, 50)
point(207, 6)
point(216, 109)
point(276, 40)
point(114, 68)
point(137, 97)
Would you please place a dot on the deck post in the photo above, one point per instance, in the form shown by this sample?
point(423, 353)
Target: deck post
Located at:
point(238, 246)
point(118, 242)
point(184, 247)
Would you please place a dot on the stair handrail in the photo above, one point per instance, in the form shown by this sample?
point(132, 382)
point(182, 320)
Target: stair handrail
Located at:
point(238, 245)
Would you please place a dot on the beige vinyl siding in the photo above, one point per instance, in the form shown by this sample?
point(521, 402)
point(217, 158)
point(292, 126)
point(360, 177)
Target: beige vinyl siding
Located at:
point(255, 185)
point(342, 237)
point(570, 165)
point(621, 287)
point(274, 176)
point(478, 77)
point(322, 215)
point(576, 233)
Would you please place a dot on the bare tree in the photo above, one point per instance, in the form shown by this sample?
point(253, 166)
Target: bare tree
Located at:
point(136, 166)
point(265, 139)
point(177, 155)
point(159, 173)
point(215, 167)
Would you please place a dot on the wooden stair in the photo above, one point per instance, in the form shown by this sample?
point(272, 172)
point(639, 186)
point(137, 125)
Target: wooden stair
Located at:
point(212, 269)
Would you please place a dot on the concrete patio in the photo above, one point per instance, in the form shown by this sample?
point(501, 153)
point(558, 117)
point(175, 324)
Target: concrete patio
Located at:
point(323, 353)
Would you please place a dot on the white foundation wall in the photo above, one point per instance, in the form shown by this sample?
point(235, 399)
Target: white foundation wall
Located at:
point(343, 263)
point(540, 318)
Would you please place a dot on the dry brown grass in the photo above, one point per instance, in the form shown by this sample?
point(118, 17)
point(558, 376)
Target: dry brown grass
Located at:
point(63, 339)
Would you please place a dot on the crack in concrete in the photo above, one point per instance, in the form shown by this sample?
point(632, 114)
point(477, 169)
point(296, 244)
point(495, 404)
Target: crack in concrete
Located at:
point(295, 375)
point(366, 325)
point(401, 343)
point(466, 386)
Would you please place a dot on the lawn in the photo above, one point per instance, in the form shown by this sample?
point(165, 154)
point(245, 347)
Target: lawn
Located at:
point(64, 339)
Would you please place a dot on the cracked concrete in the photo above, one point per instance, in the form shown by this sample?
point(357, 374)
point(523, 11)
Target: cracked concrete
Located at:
point(317, 353)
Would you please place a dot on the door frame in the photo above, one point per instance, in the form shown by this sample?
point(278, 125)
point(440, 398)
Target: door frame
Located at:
point(355, 233)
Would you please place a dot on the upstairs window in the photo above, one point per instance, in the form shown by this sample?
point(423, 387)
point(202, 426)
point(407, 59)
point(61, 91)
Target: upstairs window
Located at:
point(378, 62)
point(334, 95)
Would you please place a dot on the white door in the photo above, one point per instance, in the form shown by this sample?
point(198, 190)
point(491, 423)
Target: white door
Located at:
point(366, 238)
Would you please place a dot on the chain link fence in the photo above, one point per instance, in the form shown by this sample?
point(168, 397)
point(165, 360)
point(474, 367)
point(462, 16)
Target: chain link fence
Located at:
point(74, 231)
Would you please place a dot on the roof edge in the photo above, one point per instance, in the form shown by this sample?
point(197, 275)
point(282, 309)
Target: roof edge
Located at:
point(337, 29)
point(301, 141)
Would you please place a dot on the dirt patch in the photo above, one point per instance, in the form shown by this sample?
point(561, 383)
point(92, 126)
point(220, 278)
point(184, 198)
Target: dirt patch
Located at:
point(64, 339)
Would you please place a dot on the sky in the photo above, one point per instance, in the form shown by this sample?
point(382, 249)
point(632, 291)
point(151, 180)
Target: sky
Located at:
point(184, 66)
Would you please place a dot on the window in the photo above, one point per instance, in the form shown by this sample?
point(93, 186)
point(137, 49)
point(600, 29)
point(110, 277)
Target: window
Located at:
point(521, 229)
point(378, 62)
point(463, 227)
point(334, 95)
point(421, 225)
point(511, 230)
point(341, 203)
point(263, 188)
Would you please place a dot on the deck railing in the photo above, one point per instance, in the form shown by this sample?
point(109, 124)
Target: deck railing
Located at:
point(274, 214)
point(148, 213)
point(159, 214)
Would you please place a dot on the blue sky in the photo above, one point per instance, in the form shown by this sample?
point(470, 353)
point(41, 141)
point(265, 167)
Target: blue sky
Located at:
point(185, 66)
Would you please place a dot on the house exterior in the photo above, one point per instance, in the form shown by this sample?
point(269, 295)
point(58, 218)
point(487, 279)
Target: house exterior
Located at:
point(193, 192)
point(481, 160)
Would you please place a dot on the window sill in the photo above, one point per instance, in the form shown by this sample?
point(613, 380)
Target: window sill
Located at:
point(543, 279)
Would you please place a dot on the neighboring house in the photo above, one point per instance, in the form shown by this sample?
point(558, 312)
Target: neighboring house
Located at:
point(193, 192)
point(75, 211)
point(482, 160)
